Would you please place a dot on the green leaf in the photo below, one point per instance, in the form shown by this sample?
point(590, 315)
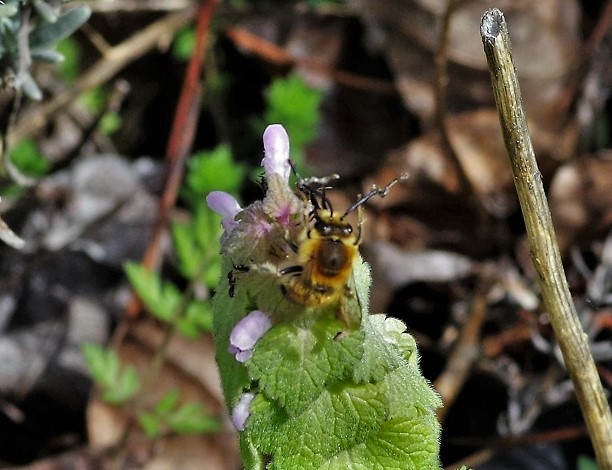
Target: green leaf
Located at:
point(328, 401)
point(47, 55)
point(129, 383)
point(386, 348)
point(212, 170)
point(191, 419)
point(184, 44)
point(188, 253)
point(47, 34)
point(125, 387)
point(29, 87)
point(28, 159)
point(45, 10)
point(102, 363)
point(197, 243)
point(207, 231)
point(586, 463)
point(116, 384)
point(291, 102)
point(162, 299)
point(351, 426)
point(8, 10)
point(293, 365)
point(197, 319)
point(95, 358)
point(168, 402)
point(150, 424)
point(110, 123)
point(69, 68)
point(94, 99)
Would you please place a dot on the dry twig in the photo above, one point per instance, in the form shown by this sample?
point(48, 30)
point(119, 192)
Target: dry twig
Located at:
point(540, 232)
point(180, 140)
point(103, 70)
point(467, 351)
point(278, 55)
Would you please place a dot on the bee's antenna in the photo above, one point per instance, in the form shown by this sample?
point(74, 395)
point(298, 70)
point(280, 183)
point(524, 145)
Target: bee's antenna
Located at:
point(376, 191)
point(314, 188)
point(294, 170)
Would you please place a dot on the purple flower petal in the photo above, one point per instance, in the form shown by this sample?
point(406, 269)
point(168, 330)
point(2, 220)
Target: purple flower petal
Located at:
point(248, 330)
point(243, 356)
point(226, 205)
point(276, 147)
point(241, 411)
point(223, 203)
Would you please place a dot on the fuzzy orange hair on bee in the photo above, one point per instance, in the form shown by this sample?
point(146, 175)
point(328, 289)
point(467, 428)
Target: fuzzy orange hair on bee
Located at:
point(326, 255)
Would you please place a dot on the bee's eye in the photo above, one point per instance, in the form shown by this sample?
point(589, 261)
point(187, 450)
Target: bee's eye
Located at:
point(323, 228)
point(347, 229)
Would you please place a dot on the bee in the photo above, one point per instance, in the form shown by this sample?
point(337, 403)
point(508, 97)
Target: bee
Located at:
point(323, 271)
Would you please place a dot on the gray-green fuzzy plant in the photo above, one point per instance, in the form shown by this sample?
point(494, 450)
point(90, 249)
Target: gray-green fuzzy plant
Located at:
point(326, 386)
point(30, 30)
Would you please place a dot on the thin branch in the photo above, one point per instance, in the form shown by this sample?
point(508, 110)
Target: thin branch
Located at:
point(540, 232)
point(107, 67)
point(180, 140)
point(133, 6)
point(466, 352)
point(466, 188)
point(441, 85)
point(279, 55)
point(584, 60)
point(493, 444)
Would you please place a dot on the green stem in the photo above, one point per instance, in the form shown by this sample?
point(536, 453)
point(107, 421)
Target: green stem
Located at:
point(540, 232)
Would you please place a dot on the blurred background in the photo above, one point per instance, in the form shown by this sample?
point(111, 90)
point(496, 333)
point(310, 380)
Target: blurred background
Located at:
point(117, 117)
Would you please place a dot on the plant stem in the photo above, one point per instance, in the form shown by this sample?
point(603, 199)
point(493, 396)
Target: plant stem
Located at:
point(540, 232)
point(441, 86)
point(180, 141)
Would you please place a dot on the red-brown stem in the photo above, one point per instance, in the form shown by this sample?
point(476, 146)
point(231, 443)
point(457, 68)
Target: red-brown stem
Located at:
point(180, 141)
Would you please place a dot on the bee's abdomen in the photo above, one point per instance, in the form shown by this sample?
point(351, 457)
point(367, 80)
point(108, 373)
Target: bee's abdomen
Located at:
point(334, 259)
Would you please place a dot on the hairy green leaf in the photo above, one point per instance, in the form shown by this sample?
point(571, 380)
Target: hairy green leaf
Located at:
point(46, 11)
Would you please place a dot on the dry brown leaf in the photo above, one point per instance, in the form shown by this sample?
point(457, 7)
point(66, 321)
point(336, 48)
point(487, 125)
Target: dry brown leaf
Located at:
point(545, 43)
point(581, 200)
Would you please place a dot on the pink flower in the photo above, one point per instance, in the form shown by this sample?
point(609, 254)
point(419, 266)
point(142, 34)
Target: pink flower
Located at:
point(226, 205)
point(241, 411)
point(276, 147)
point(246, 333)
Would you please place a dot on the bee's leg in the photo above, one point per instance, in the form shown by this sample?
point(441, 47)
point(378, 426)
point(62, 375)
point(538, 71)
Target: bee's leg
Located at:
point(292, 270)
point(231, 277)
point(349, 311)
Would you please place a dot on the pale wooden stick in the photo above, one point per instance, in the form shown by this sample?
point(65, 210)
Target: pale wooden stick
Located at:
point(540, 232)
